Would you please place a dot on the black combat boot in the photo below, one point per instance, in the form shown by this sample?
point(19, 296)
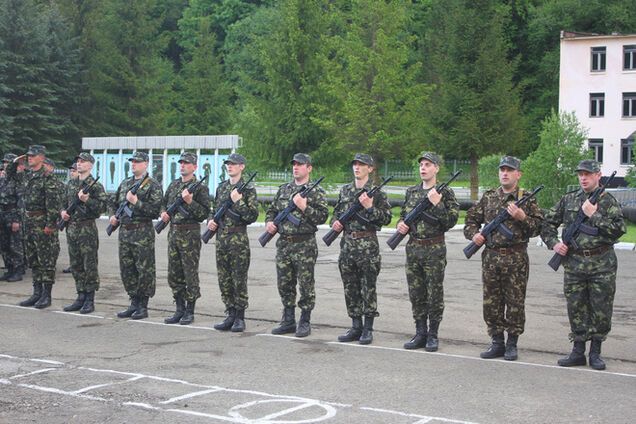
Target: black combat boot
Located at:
point(576, 357)
point(227, 323)
point(496, 349)
point(419, 339)
point(67, 270)
point(127, 313)
point(304, 327)
point(288, 322)
point(37, 293)
point(89, 303)
point(77, 304)
point(595, 355)
point(7, 274)
point(239, 321)
point(367, 331)
point(45, 299)
point(142, 308)
point(17, 275)
point(353, 334)
point(178, 313)
point(188, 317)
point(511, 348)
point(432, 342)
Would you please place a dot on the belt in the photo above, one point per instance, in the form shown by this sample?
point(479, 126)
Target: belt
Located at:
point(183, 227)
point(83, 222)
point(295, 238)
point(9, 208)
point(31, 214)
point(427, 241)
point(136, 226)
point(508, 250)
point(233, 230)
point(359, 234)
point(592, 252)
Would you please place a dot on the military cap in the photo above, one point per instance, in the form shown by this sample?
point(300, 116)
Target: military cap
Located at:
point(139, 157)
point(510, 162)
point(188, 157)
point(9, 157)
point(301, 158)
point(73, 166)
point(235, 158)
point(49, 162)
point(429, 156)
point(589, 165)
point(363, 158)
point(85, 156)
point(36, 149)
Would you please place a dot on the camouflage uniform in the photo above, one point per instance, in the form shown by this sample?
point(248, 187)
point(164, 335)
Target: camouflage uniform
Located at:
point(232, 244)
point(12, 248)
point(359, 261)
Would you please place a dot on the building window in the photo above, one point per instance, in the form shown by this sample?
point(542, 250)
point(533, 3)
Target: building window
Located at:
point(598, 59)
point(629, 58)
point(597, 104)
point(596, 146)
point(629, 105)
point(627, 151)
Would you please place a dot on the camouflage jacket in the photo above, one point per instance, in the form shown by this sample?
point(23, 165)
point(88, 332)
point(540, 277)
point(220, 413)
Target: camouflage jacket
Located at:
point(378, 215)
point(446, 212)
point(198, 209)
point(608, 219)
point(41, 193)
point(148, 204)
point(9, 199)
point(246, 208)
point(94, 206)
point(489, 206)
point(315, 214)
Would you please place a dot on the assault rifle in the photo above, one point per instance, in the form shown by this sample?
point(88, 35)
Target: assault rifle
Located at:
point(353, 212)
point(225, 208)
point(286, 214)
point(497, 224)
point(573, 230)
point(124, 206)
point(72, 207)
point(420, 209)
point(178, 205)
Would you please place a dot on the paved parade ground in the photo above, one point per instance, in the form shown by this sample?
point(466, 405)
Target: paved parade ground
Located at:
point(58, 367)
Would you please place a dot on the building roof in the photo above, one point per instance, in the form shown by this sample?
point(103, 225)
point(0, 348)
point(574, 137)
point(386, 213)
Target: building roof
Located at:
point(572, 35)
point(162, 142)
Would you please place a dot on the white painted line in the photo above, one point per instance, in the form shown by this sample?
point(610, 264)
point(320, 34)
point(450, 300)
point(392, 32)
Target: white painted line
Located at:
point(80, 315)
point(142, 405)
point(204, 415)
point(40, 371)
point(8, 356)
point(287, 411)
point(131, 374)
point(99, 386)
point(294, 338)
point(190, 395)
point(163, 324)
point(60, 392)
point(47, 361)
point(423, 419)
point(18, 307)
point(3, 381)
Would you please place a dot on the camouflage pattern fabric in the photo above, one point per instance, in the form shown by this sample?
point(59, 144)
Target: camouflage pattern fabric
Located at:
point(10, 241)
point(315, 214)
point(589, 281)
point(233, 248)
point(504, 276)
point(359, 261)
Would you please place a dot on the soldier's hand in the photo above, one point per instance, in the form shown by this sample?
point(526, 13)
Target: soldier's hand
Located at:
point(187, 196)
point(165, 217)
point(235, 196)
point(15, 227)
point(337, 226)
point(212, 225)
point(132, 198)
point(300, 202)
point(49, 231)
point(478, 239)
point(83, 197)
point(366, 201)
point(561, 248)
point(271, 228)
point(403, 228)
point(113, 221)
point(434, 196)
point(516, 212)
point(65, 216)
point(589, 208)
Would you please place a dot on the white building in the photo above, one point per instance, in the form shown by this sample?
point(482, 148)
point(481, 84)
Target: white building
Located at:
point(598, 83)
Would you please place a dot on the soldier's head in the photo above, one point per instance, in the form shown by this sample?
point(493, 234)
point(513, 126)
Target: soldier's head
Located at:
point(84, 163)
point(234, 164)
point(362, 165)
point(429, 166)
point(509, 172)
point(301, 167)
point(49, 165)
point(72, 170)
point(187, 164)
point(589, 173)
point(139, 163)
point(35, 156)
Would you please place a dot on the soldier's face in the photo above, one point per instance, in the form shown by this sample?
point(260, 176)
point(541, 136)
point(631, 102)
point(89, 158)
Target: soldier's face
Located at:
point(508, 177)
point(35, 161)
point(589, 181)
point(186, 168)
point(234, 169)
point(428, 170)
point(73, 173)
point(83, 166)
point(361, 170)
point(300, 170)
point(139, 167)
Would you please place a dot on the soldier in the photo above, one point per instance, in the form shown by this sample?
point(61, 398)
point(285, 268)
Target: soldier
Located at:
point(426, 252)
point(232, 243)
point(41, 209)
point(72, 174)
point(359, 261)
point(504, 261)
point(296, 248)
point(81, 233)
point(590, 270)
point(137, 237)
point(184, 239)
point(10, 223)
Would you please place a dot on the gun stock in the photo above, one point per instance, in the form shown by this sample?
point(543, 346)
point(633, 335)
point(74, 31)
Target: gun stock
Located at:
point(265, 238)
point(395, 240)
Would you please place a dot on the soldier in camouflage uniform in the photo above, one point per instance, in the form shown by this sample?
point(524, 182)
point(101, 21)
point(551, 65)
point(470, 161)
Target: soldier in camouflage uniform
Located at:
point(232, 243)
point(72, 174)
point(81, 233)
point(137, 237)
point(504, 261)
point(10, 226)
point(590, 270)
point(184, 239)
point(296, 248)
point(426, 252)
point(42, 206)
point(359, 261)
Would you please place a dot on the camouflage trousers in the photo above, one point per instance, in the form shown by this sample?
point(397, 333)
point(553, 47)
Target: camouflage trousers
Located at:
point(425, 267)
point(184, 250)
point(505, 278)
point(589, 288)
point(83, 245)
point(359, 263)
point(137, 261)
point(295, 262)
point(11, 243)
point(41, 250)
point(232, 264)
